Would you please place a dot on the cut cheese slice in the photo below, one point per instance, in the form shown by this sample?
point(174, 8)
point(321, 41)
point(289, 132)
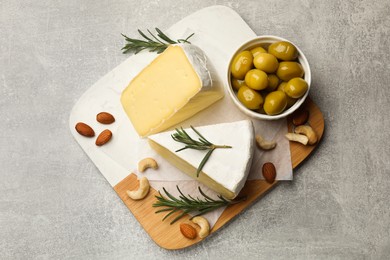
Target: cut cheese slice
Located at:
point(227, 169)
point(174, 87)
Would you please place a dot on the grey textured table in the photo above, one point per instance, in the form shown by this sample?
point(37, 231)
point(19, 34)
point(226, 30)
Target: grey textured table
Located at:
point(54, 203)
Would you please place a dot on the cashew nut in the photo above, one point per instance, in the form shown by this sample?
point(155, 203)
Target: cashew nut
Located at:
point(146, 164)
point(204, 226)
point(297, 138)
point(142, 191)
point(264, 144)
point(308, 131)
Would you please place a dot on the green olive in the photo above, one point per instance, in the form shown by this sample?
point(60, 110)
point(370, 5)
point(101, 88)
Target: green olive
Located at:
point(266, 62)
point(296, 87)
point(256, 79)
point(273, 82)
point(289, 69)
point(283, 50)
point(290, 101)
point(237, 84)
point(275, 102)
point(250, 98)
point(258, 50)
point(241, 64)
point(282, 85)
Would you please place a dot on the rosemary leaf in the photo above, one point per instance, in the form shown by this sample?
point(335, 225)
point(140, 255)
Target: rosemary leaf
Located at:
point(163, 36)
point(143, 35)
point(202, 144)
point(201, 136)
point(203, 162)
point(186, 39)
point(163, 210)
point(170, 213)
point(152, 43)
point(204, 195)
point(188, 204)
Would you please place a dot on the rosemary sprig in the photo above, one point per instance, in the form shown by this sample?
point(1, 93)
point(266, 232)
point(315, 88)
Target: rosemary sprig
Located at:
point(202, 144)
point(153, 43)
point(189, 204)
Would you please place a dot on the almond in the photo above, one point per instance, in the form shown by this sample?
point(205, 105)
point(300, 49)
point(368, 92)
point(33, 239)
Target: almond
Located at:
point(103, 137)
point(188, 231)
point(105, 118)
point(84, 129)
point(269, 172)
point(300, 117)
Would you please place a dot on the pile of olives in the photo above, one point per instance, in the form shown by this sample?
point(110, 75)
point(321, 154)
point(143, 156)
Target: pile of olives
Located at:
point(268, 82)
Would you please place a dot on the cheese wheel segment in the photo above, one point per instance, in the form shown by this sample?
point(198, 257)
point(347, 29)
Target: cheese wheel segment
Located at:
point(173, 87)
point(226, 170)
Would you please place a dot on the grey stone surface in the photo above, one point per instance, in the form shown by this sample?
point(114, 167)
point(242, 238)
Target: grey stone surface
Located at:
point(54, 203)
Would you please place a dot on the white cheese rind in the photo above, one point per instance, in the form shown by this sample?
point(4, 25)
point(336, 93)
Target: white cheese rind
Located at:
point(227, 167)
point(198, 60)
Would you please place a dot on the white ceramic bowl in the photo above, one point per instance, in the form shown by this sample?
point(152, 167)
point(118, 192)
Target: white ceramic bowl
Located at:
point(265, 41)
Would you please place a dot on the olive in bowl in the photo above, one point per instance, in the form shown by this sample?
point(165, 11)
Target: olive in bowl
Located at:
point(276, 82)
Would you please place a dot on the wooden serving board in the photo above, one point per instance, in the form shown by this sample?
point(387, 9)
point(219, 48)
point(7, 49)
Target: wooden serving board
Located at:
point(169, 236)
point(117, 159)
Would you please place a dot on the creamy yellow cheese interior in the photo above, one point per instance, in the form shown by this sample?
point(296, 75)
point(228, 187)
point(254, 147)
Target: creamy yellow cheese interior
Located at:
point(165, 93)
point(191, 170)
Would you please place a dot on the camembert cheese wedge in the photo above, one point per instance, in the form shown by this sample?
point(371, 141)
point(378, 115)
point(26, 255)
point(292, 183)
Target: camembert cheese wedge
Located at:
point(227, 169)
point(174, 87)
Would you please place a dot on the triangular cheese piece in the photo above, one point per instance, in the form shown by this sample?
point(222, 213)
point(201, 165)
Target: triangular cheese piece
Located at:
point(227, 169)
